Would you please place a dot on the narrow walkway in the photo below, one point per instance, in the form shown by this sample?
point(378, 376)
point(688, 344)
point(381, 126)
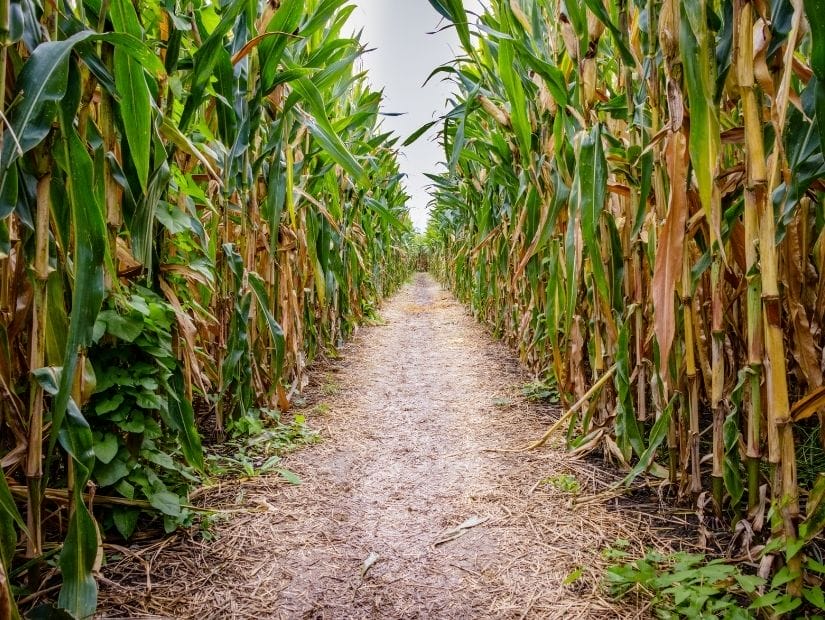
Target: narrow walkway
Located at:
point(371, 532)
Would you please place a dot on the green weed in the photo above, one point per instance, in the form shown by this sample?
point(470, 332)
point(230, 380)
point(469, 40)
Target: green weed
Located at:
point(564, 482)
point(689, 585)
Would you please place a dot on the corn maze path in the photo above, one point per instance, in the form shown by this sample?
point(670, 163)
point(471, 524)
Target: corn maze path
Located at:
point(401, 513)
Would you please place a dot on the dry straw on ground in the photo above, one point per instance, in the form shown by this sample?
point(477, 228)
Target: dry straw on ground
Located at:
point(373, 530)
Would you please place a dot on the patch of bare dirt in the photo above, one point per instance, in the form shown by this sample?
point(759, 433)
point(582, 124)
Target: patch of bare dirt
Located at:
point(402, 513)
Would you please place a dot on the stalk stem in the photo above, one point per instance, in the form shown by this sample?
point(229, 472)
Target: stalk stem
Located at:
point(37, 358)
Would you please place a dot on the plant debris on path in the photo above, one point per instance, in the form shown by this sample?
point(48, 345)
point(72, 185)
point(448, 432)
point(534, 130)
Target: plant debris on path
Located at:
point(402, 512)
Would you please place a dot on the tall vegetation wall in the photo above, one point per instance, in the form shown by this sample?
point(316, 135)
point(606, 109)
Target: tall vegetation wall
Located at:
point(195, 198)
point(633, 194)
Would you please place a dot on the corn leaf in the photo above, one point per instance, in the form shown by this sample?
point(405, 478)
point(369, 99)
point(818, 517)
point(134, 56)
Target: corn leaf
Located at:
point(282, 25)
point(205, 59)
point(599, 11)
point(628, 435)
point(89, 247)
point(670, 248)
point(78, 559)
point(590, 190)
point(657, 435)
point(181, 418)
point(815, 12)
point(515, 94)
point(43, 79)
point(82, 546)
point(320, 127)
point(9, 518)
point(258, 287)
point(453, 10)
point(135, 102)
point(700, 77)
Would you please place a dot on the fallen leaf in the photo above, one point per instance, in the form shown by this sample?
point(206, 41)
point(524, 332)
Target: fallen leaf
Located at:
point(460, 530)
point(290, 476)
point(283, 402)
point(372, 558)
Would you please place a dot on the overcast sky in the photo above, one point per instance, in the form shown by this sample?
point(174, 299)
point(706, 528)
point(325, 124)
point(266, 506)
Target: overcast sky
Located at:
point(404, 57)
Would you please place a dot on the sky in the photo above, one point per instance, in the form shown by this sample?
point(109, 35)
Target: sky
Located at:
point(406, 54)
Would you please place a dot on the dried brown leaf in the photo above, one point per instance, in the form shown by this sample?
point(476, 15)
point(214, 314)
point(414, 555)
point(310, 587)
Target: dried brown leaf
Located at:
point(670, 249)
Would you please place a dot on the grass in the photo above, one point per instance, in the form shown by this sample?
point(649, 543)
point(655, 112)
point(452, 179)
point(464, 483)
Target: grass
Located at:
point(566, 483)
point(330, 387)
point(254, 447)
point(541, 391)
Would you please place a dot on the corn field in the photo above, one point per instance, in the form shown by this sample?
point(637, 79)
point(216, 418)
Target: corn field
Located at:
point(195, 199)
point(632, 199)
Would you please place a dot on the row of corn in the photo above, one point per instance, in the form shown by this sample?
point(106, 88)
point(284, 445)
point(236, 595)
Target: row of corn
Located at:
point(195, 199)
point(632, 198)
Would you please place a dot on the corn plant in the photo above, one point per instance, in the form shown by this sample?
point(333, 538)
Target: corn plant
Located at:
point(632, 188)
point(196, 199)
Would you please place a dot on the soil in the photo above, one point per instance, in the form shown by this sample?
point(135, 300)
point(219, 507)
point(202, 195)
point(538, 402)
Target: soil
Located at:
point(410, 418)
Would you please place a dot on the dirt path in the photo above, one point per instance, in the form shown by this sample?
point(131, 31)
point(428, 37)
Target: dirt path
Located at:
point(402, 463)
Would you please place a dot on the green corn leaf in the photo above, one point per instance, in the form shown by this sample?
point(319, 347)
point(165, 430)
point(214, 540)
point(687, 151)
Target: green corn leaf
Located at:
point(815, 12)
point(273, 207)
point(81, 551)
point(458, 144)
point(814, 522)
point(179, 139)
point(141, 222)
point(43, 80)
point(235, 365)
point(654, 440)
point(79, 556)
point(258, 287)
point(699, 63)
point(453, 10)
point(322, 14)
point(389, 218)
point(553, 76)
point(418, 133)
point(283, 24)
point(8, 509)
point(205, 59)
point(89, 248)
point(731, 435)
point(135, 102)
point(130, 42)
point(732, 475)
point(9, 518)
point(628, 435)
point(518, 102)
point(77, 439)
point(442, 9)
point(591, 192)
point(226, 87)
point(8, 202)
point(321, 128)
point(181, 417)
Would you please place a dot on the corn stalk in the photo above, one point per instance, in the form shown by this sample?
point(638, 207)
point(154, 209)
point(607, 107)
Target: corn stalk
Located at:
point(686, 254)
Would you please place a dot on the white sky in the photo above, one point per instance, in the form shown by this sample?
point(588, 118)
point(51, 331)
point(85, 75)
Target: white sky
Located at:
point(404, 57)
